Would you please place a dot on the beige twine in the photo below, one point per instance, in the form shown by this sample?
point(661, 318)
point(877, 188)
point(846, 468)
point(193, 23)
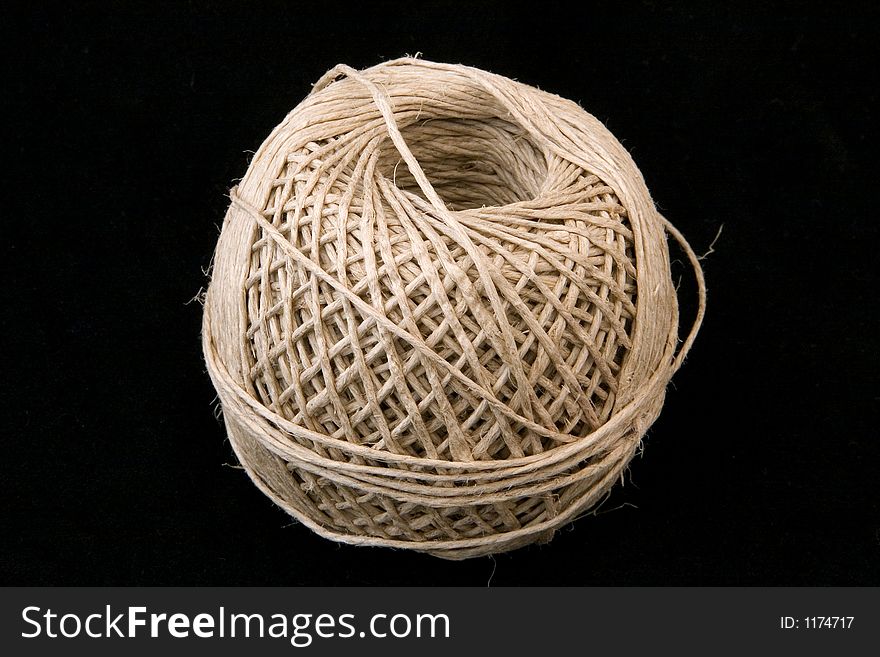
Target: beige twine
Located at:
point(441, 315)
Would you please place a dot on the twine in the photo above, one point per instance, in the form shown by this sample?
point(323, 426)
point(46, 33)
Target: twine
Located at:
point(441, 315)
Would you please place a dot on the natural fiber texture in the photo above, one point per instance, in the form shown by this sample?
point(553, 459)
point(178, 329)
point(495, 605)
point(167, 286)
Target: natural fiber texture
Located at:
point(441, 315)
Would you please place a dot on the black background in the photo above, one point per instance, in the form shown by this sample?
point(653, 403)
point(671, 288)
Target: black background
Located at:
point(125, 128)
